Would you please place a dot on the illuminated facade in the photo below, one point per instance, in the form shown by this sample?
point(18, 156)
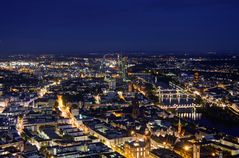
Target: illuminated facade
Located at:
point(137, 149)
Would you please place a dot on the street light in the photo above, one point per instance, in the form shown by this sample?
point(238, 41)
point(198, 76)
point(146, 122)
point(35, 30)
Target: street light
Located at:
point(186, 147)
point(164, 144)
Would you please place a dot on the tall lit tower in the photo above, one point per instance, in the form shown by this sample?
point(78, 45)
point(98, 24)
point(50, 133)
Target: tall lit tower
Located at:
point(124, 68)
point(122, 63)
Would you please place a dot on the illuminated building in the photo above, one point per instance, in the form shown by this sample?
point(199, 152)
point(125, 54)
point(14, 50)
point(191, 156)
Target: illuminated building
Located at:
point(3, 104)
point(196, 150)
point(10, 140)
point(180, 131)
point(1, 89)
point(112, 84)
point(122, 63)
point(130, 87)
point(106, 133)
point(97, 99)
point(137, 149)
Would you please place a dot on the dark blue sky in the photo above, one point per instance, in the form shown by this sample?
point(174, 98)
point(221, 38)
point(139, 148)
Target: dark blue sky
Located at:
point(93, 25)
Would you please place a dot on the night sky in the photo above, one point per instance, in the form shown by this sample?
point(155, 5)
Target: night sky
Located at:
point(133, 25)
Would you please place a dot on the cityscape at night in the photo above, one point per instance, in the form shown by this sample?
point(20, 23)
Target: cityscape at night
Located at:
point(119, 79)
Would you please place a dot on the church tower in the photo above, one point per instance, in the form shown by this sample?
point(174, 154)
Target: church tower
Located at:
point(179, 128)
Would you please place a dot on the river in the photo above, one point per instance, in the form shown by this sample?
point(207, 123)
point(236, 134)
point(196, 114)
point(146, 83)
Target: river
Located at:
point(202, 120)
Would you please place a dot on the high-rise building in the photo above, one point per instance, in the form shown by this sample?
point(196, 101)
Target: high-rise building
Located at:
point(112, 84)
point(122, 63)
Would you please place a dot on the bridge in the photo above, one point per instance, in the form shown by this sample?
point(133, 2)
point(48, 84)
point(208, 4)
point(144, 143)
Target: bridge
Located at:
point(171, 93)
point(181, 106)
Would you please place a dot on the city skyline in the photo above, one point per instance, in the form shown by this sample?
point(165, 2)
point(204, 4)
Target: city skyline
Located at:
point(119, 79)
point(119, 106)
